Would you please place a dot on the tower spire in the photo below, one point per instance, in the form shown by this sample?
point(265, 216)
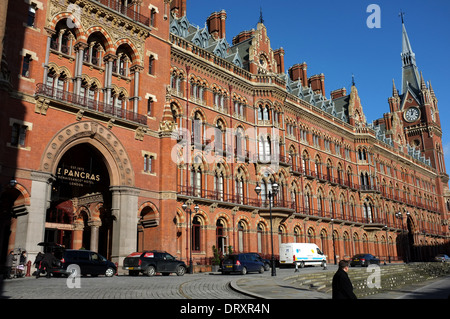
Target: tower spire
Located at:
point(261, 20)
point(410, 72)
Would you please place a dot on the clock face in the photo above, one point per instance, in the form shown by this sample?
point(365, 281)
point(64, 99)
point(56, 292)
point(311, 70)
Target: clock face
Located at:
point(412, 114)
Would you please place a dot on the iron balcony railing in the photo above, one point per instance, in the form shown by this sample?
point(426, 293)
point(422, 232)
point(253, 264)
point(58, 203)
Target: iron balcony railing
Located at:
point(202, 193)
point(89, 103)
point(127, 11)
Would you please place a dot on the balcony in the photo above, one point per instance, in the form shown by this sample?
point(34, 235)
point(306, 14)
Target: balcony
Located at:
point(75, 103)
point(126, 11)
point(209, 195)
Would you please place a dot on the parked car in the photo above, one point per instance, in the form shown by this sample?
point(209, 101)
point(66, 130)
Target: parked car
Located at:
point(151, 262)
point(89, 262)
point(266, 262)
point(242, 263)
point(364, 260)
point(442, 258)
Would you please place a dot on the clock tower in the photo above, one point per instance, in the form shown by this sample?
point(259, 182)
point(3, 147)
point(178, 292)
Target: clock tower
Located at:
point(417, 107)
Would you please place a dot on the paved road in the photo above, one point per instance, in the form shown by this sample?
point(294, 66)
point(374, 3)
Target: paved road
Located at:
point(196, 286)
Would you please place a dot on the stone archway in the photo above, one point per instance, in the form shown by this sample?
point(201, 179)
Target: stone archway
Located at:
point(116, 157)
point(123, 203)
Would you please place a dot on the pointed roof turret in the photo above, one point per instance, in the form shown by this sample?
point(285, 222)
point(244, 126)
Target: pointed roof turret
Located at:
point(394, 89)
point(410, 72)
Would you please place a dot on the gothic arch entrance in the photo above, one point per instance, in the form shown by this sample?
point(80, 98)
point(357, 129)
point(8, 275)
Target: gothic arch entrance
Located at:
point(81, 201)
point(85, 181)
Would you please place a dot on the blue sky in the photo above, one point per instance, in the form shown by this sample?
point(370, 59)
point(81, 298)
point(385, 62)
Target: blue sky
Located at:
point(333, 38)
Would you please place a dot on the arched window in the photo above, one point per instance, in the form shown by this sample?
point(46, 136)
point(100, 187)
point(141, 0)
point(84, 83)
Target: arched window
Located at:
point(367, 211)
point(240, 186)
point(264, 149)
point(196, 233)
point(260, 238)
point(241, 236)
point(219, 182)
point(297, 235)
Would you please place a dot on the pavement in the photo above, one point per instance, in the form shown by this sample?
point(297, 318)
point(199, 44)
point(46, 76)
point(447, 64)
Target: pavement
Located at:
point(266, 286)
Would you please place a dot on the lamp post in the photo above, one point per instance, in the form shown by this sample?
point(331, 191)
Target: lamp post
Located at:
point(387, 243)
point(334, 244)
point(399, 215)
point(189, 211)
point(271, 195)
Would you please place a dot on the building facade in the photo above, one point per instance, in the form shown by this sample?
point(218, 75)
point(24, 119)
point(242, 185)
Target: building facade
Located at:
point(125, 127)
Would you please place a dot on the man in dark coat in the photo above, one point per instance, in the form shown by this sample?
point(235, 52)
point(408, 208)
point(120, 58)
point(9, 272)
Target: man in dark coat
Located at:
point(47, 264)
point(342, 286)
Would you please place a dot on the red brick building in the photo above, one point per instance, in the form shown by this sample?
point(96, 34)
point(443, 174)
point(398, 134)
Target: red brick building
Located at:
point(124, 128)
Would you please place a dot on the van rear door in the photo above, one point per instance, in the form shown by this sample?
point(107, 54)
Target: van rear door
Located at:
point(286, 254)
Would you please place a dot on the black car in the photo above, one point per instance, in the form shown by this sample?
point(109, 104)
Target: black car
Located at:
point(242, 263)
point(89, 263)
point(151, 262)
point(364, 260)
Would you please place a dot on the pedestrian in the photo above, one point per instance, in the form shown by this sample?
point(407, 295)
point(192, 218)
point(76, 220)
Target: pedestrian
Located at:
point(10, 259)
point(342, 286)
point(37, 263)
point(22, 263)
point(47, 263)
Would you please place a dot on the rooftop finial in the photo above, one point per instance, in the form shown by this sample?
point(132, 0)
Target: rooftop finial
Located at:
point(261, 20)
point(353, 80)
point(402, 15)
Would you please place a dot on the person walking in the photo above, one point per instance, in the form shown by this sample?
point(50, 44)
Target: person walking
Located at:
point(47, 263)
point(37, 264)
point(342, 286)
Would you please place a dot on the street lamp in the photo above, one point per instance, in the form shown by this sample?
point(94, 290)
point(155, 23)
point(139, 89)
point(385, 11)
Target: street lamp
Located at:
point(271, 195)
point(334, 244)
point(189, 211)
point(387, 243)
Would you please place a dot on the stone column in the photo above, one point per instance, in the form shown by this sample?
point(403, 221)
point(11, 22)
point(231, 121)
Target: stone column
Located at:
point(77, 240)
point(80, 47)
point(124, 212)
point(50, 33)
point(95, 225)
point(31, 227)
point(136, 69)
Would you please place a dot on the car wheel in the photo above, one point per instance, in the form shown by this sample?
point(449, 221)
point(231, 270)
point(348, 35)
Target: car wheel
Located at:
point(266, 267)
point(110, 272)
point(261, 269)
point(180, 271)
point(244, 271)
point(324, 264)
point(301, 264)
point(150, 271)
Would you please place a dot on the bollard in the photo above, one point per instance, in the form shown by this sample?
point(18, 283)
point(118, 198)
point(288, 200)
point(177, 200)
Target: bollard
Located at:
point(28, 269)
point(117, 268)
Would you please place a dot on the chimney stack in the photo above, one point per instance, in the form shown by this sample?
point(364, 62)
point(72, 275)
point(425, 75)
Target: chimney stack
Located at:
point(338, 93)
point(298, 72)
point(216, 24)
point(178, 8)
point(279, 58)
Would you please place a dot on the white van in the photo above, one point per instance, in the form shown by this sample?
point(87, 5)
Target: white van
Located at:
point(302, 254)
